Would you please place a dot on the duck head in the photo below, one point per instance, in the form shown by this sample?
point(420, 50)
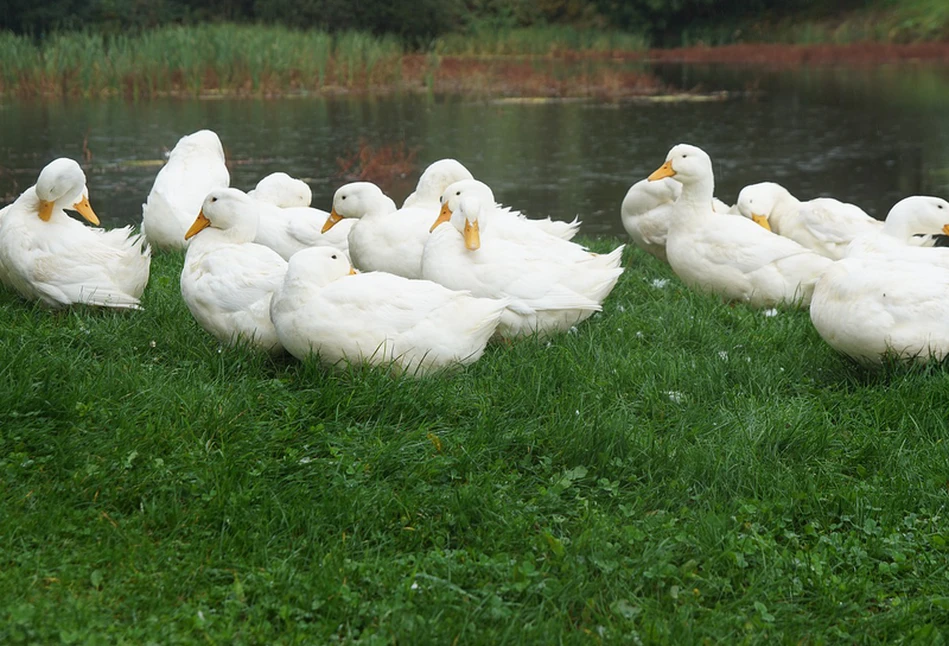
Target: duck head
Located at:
point(230, 211)
point(356, 200)
point(62, 184)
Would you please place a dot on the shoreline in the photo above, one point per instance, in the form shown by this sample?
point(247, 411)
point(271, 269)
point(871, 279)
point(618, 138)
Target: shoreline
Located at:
point(564, 74)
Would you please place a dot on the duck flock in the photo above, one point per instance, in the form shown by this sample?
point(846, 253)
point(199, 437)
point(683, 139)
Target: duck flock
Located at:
point(452, 270)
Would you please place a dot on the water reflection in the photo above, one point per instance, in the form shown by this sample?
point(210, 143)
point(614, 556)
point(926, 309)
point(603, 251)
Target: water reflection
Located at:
point(866, 135)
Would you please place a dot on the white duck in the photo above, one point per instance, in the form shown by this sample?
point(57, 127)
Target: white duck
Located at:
point(50, 257)
point(824, 225)
point(551, 284)
point(325, 308)
point(282, 190)
point(295, 226)
point(731, 256)
point(504, 221)
point(433, 182)
point(909, 232)
point(869, 307)
point(227, 280)
point(382, 238)
point(443, 173)
point(888, 296)
point(194, 168)
point(647, 209)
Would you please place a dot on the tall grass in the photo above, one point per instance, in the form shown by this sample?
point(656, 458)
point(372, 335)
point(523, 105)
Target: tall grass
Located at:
point(251, 59)
point(195, 59)
point(675, 471)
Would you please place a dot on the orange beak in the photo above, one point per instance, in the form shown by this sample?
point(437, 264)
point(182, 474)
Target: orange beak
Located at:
point(472, 235)
point(85, 210)
point(46, 210)
point(663, 171)
point(331, 221)
point(200, 224)
point(945, 229)
point(763, 221)
point(443, 216)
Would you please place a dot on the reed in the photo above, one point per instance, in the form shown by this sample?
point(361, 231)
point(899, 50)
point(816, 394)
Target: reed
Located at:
point(195, 59)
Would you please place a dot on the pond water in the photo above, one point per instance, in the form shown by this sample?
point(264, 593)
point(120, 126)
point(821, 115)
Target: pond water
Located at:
point(866, 135)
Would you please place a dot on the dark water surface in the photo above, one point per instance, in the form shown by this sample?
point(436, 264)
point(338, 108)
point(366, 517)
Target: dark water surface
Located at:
point(866, 135)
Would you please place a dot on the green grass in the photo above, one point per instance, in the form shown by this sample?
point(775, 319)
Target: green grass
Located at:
point(250, 59)
point(233, 58)
point(677, 470)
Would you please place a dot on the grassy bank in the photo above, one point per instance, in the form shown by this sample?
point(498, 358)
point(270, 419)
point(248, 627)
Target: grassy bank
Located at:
point(257, 60)
point(675, 471)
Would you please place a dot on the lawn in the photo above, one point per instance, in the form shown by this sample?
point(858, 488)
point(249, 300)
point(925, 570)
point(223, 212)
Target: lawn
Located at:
point(676, 470)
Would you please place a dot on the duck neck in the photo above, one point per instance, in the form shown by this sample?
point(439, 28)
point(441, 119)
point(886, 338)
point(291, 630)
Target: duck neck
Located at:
point(697, 195)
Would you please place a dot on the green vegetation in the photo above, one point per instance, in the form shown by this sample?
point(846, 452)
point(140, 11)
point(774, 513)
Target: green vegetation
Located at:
point(675, 471)
point(192, 59)
point(886, 21)
point(251, 59)
point(420, 23)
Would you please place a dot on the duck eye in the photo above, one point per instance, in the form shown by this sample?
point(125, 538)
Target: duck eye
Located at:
point(214, 199)
point(940, 206)
point(458, 193)
point(333, 256)
point(344, 197)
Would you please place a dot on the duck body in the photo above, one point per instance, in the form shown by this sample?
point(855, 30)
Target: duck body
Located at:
point(824, 225)
point(870, 308)
point(888, 296)
point(286, 222)
point(195, 166)
point(647, 211)
point(227, 280)
point(291, 229)
point(550, 284)
point(731, 256)
point(49, 257)
point(412, 326)
point(381, 237)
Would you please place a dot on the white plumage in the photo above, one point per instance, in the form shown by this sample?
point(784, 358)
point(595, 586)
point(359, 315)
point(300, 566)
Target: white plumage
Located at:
point(552, 284)
point(889, 296)
point(731, 256)
point(50, 257)
point(824, 225)
point(195, 167)
point(286, 222)
point(414, 326)
point(227, 280)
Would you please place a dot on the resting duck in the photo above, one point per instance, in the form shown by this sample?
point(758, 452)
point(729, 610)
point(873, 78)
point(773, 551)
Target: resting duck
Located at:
point(731, 256)
point(550, 284)
point(325, 308)
point(47, 256)
point(228, 280)
point(195, 167)
point(824, 225)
